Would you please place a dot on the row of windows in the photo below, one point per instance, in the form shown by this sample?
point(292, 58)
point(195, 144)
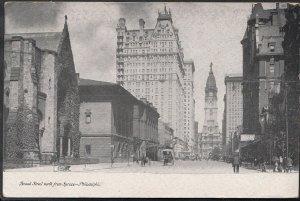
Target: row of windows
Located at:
point(161, 34)
point(155, 70)
point(143, 51)
point(152, 64)
point(148, 84)
point(149, 57)
point(147, 43)
point(148, 77)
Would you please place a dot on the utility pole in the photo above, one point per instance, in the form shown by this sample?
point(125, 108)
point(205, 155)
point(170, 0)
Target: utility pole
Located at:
point(286, 120)
point(212, 142)
point(231, 136)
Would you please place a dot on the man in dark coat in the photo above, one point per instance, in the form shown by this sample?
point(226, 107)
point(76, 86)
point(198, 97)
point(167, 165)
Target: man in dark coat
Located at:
point(236, 163)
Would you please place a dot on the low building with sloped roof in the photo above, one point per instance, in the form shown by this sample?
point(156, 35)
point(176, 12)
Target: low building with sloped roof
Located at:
point(114, 125)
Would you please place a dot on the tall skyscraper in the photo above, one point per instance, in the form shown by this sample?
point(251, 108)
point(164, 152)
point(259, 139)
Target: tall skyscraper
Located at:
point(189, 104)
point(234, 105)
point(211, 137)
point(263, 62)
point(150, 65)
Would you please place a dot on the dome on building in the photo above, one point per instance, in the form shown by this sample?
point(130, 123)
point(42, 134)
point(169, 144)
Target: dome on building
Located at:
point(211, 81)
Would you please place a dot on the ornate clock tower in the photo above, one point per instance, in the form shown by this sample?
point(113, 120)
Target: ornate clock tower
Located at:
point(211, 136)
point(211, 99)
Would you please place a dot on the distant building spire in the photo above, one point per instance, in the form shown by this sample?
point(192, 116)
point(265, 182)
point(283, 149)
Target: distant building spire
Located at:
point(211, 64)
point(66, 18)
point(166, 12)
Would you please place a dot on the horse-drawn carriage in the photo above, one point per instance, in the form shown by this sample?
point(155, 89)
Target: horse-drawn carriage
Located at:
point(168, 156)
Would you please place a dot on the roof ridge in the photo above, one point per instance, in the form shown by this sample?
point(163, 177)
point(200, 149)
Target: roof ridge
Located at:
point(52, 32)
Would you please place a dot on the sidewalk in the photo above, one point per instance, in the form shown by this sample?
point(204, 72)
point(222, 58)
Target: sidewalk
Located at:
point(269, 168)
point(73, 168)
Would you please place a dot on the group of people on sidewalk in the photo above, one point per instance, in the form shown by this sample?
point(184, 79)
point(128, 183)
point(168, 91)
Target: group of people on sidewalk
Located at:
point(279, 164)
point(282, 164)
point(143, 160)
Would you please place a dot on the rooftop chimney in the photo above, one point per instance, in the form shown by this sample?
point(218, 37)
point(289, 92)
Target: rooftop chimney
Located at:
point(122, 23)
point(141, 25)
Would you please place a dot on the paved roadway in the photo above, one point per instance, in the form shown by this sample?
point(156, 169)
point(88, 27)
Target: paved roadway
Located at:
point(184, 179)
point(180, 167)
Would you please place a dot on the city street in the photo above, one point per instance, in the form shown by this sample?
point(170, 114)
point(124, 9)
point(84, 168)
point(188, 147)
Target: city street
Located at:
point(156, 167)
point(180, 167)
point(184, 179)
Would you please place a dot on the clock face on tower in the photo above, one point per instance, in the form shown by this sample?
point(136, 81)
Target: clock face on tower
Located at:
point(210, 93)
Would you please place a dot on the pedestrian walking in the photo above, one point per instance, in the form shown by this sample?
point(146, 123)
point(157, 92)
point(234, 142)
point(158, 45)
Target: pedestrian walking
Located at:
point(275, 166)
point(148, 161)
point(255, 162)
point(236, 163)
point(143, 161)
point(289, 164)
point(284, 166)
point(280, 164)
point(264, 166)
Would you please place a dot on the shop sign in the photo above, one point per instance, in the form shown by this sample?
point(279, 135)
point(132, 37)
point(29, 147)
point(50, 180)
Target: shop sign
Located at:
point(247, 137)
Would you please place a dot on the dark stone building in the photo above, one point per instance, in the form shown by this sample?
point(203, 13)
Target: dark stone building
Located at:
point(291, 47)
point(263, 63)
point(41, 95)
point(114, 124)
point(284, 108)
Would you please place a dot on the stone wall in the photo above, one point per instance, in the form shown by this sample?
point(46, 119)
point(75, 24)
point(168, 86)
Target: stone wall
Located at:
point(48, 85)
point(41, 90)
point(100, 118)
point(21, 132)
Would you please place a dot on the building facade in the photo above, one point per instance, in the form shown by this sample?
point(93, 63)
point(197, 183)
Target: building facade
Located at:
point(234, 106)
point(291, 45)
point(189, 105)
point(114, 124)
point(41, 94)
point(196, 145)
point(284, 106)
point(263, 63)
point(210, 136)
point(224, 149)
point(150, 65)
point(165, 137)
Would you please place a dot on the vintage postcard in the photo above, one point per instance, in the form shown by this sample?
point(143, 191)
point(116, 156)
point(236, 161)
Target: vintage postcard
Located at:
point(151, 99)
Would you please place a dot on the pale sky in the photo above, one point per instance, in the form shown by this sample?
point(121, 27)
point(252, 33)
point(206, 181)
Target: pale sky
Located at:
point(210, 32)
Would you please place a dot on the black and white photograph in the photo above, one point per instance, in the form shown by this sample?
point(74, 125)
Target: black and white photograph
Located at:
point(151, 99)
